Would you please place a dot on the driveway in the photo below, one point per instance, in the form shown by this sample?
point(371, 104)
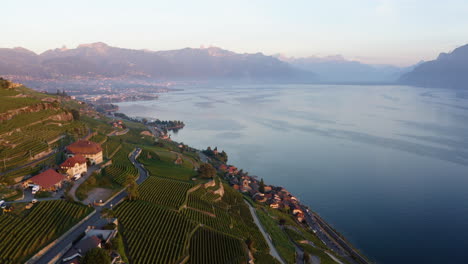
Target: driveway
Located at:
point(81, 180)
point(28, 197)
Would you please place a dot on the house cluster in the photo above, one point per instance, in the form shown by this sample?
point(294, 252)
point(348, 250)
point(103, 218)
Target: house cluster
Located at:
point(93, 238)
point(118, 124)
point(80, 155)
point(273, 196)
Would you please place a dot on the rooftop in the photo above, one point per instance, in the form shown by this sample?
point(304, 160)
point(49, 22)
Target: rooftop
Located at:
point(70, 162)
point(48, 178)
point(84, 147)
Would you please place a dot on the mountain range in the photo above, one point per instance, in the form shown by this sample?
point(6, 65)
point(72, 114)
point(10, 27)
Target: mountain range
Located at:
point(100, 60)
point(337, 69)
point(449, 70)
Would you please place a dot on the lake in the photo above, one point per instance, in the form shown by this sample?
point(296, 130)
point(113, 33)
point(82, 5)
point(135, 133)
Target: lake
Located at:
point(387, 166)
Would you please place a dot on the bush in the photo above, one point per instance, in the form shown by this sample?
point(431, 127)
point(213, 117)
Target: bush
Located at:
point(96, 256)
point(43, 194)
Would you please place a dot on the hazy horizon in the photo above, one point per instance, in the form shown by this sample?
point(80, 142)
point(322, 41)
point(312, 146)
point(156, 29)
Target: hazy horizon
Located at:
point(375, 31)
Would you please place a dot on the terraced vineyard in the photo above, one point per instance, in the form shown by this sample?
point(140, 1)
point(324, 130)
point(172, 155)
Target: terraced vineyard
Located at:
point(153, 234)
point(22, 236)
point(161, 163)
point(196, 201)
point(208, 246)
point(122, 167)
point(164, 192)
point(230, 215)
point(24, 145)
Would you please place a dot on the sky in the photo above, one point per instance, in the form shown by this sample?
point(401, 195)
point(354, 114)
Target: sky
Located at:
point(398, 32)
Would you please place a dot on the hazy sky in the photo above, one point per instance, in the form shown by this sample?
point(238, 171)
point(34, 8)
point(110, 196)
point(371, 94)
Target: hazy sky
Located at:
point(398, 32)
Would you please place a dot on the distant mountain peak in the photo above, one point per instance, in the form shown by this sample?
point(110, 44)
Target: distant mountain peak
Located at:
point(95, 45)
point(23, 50)
point(99, 47)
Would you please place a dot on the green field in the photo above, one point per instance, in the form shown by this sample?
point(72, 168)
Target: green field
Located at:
point(161, 162)
point(24, 234)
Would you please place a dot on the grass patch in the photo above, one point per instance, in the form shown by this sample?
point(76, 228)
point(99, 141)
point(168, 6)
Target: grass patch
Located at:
point(280, 239)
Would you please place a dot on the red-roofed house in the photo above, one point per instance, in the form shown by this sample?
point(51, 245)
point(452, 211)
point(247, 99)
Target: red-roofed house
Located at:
point(233, 170)
point(48, 180)
point(223, 167)
point(88, 149)
point(74, 166)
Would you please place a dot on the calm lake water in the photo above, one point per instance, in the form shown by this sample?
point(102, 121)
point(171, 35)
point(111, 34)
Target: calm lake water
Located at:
point(387, 166)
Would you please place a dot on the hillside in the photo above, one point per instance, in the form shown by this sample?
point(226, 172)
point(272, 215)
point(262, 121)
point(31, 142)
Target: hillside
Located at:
point(449, 70)
point(198, 220)
point(33, 127)
point(98, 60)
point(167, 210)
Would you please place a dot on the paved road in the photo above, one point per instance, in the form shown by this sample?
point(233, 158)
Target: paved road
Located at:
point(273, 250)
point(95, 219)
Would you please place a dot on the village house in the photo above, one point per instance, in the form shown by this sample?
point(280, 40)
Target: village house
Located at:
point(74, 166)
point(300, 217)
point(49, 180)
point(233, 170)
point(93, 238)
point(90, 150)
point(79, 250)
point(223, 167)
point(275, 205)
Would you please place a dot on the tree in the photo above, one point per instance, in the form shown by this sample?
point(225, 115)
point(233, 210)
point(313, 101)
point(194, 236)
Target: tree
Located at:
point(75, 114)
point(96, 256)
point(206, 171)
point(132, 188)
point(107, 213)
point(261, 188)
point(306, 257)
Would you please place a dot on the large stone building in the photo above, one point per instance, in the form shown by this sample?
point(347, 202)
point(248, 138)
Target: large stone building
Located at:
point(92, 151)
point(74, 166)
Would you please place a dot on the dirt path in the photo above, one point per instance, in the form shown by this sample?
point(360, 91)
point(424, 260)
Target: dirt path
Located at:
point(273, 250)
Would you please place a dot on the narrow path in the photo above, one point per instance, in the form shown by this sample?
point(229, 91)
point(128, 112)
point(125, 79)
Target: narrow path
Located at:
point(273, 250)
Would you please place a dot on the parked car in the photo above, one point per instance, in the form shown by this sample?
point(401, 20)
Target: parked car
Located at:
point(35, 189)
point(34, 201)
point(2, 204)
